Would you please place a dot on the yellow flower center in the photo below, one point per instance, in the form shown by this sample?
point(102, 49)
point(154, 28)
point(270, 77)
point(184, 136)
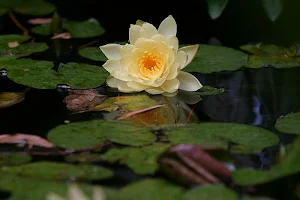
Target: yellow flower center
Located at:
point(150, 63)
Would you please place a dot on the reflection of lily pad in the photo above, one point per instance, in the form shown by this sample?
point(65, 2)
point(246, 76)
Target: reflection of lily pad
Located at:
point(7, 53)
point(13, 159)
point(44, 29)
point(289, 165)
point(36, 189)
point(209, 90)
point(84, 29)
point(38, 74)
point(151, 189)
point(140, 160)
point(90, 133)
point(59, 171)
point(209, 192)
point(247, 139)
point(289, 123)
point(5, 39)
point(216, 58)
point(93, 53)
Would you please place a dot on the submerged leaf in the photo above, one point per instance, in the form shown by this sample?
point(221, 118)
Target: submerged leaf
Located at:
point(216, 58)
point(90, 133)
point(289, 123)
point(244, 138)
point(58, 171)
point(10, 98)
point(151, 189)
point(141, 160)
point(10, 159)
point(216, 7)
point(44, 29)
point(273, 8)
point(35, 7)
point(290, 164)
point(93, 53)
point(5, 39)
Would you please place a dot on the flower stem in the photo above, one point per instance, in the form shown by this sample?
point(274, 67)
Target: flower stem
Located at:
point(17, 23)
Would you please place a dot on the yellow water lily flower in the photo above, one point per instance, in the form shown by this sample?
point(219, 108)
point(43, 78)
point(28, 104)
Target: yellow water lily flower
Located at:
point(152, 61)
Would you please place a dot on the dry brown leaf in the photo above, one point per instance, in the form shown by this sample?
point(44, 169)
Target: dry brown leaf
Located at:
point(37, 21)
point(13, 44)
point(31, 140)
point(65, 35)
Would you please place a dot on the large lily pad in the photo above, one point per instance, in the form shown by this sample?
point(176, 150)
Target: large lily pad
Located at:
point(289, 165)
point(58, 171)
point(208, 192)
point(7, 53)
point(93, 53)
point(38, 74)
point(150, 189)
point(245, 138)
point(5, 39)
point(36, 189)
point(35, 7)
point(140, 160)
point(90, 133)
point(289, 123)
point(84, 29)
point(13, 159)
point(216, 58)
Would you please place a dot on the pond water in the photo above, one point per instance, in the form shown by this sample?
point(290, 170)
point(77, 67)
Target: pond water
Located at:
point(248, 111)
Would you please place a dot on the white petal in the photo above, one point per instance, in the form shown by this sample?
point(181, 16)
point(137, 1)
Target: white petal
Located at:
point(188, 82)
point(111, 51)
point(191, 52)
point(155, 90)
point(148, 30)
point(137, 86)
point(75, 193)
point(117, 70)
point(113, 82)
point(170, 86)
point(174, 69)
point(121, 85)
point(168, 26)
point(98, 193)
point(53, 196)
point(173, 41)
point(112, 65)
point(134, 33)
point(181, 58)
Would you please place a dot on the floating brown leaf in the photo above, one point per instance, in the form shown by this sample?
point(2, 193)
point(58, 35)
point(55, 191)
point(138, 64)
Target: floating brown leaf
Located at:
point(37, 21)
point(83, 100)
point(191, 164)
point(30, 140)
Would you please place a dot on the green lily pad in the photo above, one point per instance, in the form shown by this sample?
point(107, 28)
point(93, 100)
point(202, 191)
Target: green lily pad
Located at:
point(10, 4)
point(290, 164)
point(289, 123)
point(35, 189)
point(216, 58)
point(44, 29)
point(90, 133)
point(3, 11)
point(13, 159)
point(209, 90)
point(10, 98)
point(93, 53)
point(83, 158)
point(208, 192)
point(7, 53)
point(140, 160)
point(5, 39)
point(247, 139)
point(270, 55)
point(150, 189)
point(39, 74)
point(255, 198)
point(84, 29)
point(58, 171)
point(216, 7)
point(35, 7)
